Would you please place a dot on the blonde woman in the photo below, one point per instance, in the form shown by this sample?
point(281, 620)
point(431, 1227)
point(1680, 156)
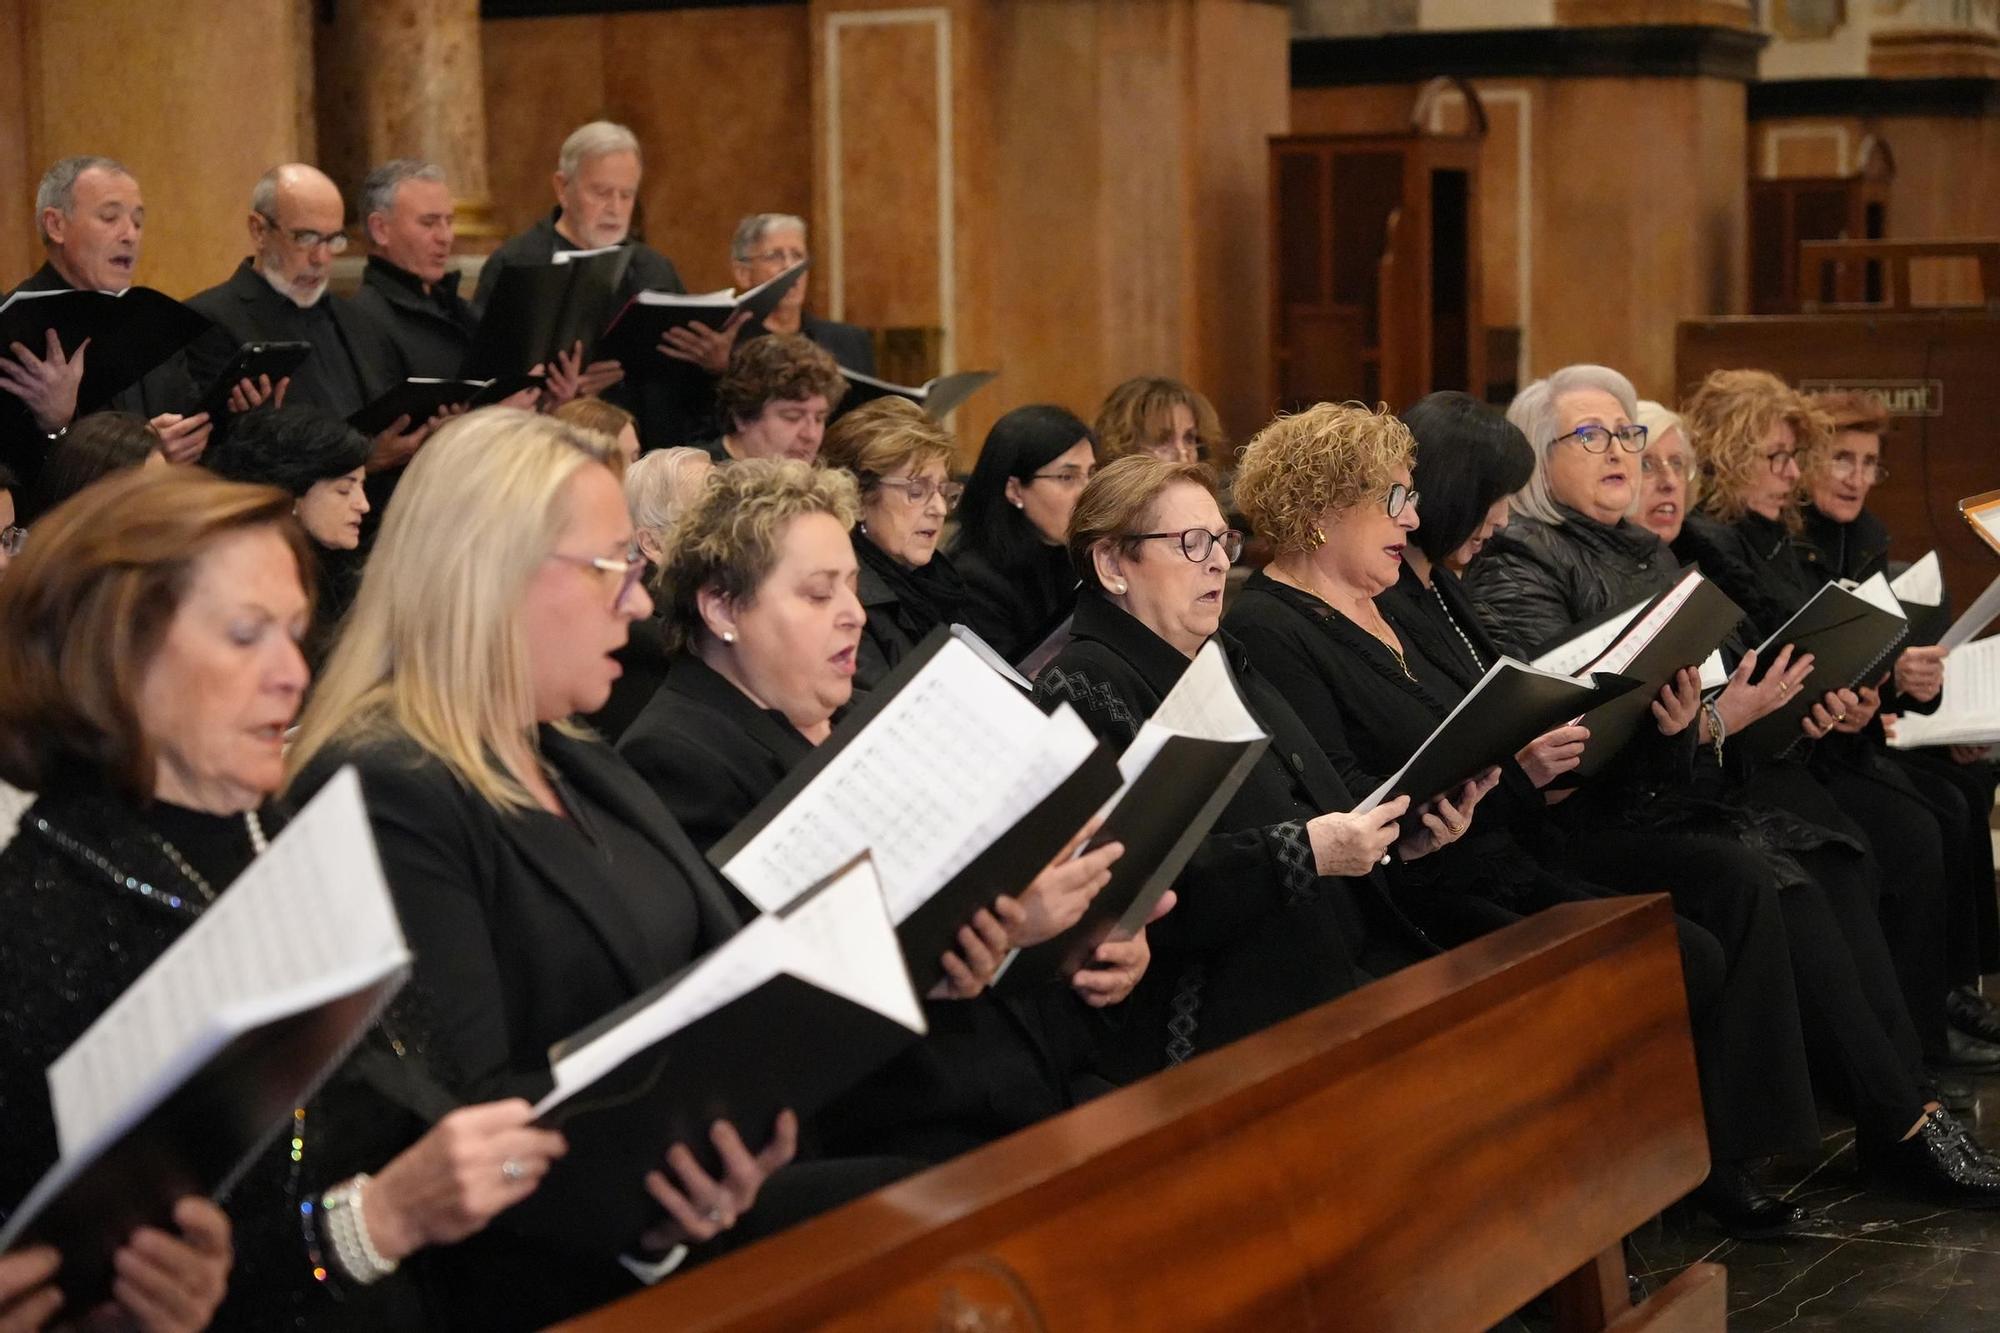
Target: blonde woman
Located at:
point(1162, 417)
point(540, 882)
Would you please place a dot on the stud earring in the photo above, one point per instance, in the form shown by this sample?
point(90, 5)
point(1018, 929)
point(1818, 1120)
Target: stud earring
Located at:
point(729, 636)
point(1119, 587)
point(1019, 505)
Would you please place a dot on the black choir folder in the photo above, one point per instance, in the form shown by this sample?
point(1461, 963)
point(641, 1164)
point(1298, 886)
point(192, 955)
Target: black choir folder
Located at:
point(130, 333)
point(960, 787)
point(1511, 705)
point(939, 397)
point(1179, 773)
point(275, 360)
point(634, 337)
point(1647, 644)
point(537, 310)
point(788, 1013)
point(1850, 631)
point(183, 1080)
point(421, 399)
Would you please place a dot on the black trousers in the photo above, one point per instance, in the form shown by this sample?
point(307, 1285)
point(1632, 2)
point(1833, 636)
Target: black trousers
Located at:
point(1963, 793)
point(1909, 846)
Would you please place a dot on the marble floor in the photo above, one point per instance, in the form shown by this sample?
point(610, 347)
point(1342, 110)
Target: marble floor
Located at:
point(1881, 1263)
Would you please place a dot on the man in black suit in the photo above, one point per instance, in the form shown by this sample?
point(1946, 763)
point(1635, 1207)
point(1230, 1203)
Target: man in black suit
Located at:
point(280, 295)
point(765, 245)
point(597, 188)
point(407, 287)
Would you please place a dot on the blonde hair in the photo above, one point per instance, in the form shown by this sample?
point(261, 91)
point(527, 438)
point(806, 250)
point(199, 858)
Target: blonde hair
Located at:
point(880, 436)
point(433, 645)
point(1659, 421)
point(1138, 411)
point(1330, 456)
point(728, 540)
point(1727, 420)
point(1118, 501)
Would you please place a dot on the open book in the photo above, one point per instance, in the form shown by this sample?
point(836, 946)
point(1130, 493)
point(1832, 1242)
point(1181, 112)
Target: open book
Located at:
point(130, 333)
point(1179, 773)
point(537, 310)
point(176, 1086)
point(1850, 630)
point(1649, 643)
point(788, 1013)
point(1511, 705)
point(635, 332)
point(938, 397)
point(1969, 712)
point(958, 785)
point(421, 399)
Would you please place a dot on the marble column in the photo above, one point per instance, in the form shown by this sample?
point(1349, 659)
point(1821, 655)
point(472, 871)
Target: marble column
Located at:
point(401, 78)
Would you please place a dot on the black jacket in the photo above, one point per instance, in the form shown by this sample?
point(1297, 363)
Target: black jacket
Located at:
point(1535, 581)
point(850, 345)
point(519, 944)
point(344, 373)
point(989, 1066)
point(1014, 609)
point(1258, 934)
point(903, 605)
point(431, 330)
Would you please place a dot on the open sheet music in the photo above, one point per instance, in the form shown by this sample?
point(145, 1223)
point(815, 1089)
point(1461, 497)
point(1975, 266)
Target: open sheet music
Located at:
point(634, 336)
point(787, 1013)
point(537, 310)
point(949, 777)
point(1850, 630)
point(1969, 712)
point(177, 1085)
point(938, 397)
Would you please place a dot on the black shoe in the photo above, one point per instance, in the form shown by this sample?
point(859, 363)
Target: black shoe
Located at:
point(1744, 1209)
point(1968, 1055)
point(1973, 1014)
point(1941, 1160)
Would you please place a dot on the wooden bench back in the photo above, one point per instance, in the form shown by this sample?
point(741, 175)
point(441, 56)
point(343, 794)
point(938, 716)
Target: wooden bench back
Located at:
point(1428, 1153)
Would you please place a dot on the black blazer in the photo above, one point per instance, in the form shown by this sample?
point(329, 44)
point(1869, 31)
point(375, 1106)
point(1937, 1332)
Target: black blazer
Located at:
point(1014, 609)
point(247, 309)
point(1257, 935)
point(431, 332)
point(518, 944)
point(850, 345)
point(988, 1067)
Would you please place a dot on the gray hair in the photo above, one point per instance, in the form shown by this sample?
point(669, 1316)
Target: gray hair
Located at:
point(58, 187)
point(378, 192)
point(600, 138)
point(661, 485)
point(1534, 413)
point(264, 194)
point(1658, 419)
point(756, 227)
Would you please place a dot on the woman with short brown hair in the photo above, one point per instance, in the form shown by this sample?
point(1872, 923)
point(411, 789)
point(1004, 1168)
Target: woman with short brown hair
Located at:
point(1163, 417)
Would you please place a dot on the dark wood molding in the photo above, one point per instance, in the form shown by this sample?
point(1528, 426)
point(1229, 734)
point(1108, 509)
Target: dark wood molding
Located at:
point(1675, 52)
point(541, 9)
point(1874, 97)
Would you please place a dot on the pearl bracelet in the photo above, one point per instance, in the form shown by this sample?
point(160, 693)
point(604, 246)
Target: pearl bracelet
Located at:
point(347, 1233)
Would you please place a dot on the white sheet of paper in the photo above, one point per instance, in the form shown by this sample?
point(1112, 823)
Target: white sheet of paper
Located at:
point(1573, 655)
point(1714, 673)
point(1977, 617)
point(1969, 713)
point(1922, 584)
point(1875, 591)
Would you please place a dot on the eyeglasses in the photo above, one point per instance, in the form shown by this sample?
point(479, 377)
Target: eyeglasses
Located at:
point(1653, 467)
point(1064, 476)
point(1175, 451)
point(1597, 439)
point(307, 239)
point(785, 257)
point(1401, 497)
point(629, 570)
point(1780, 459)
point(12, 539)
point(1196, 543)
point(1841, 465)
point(919, 490)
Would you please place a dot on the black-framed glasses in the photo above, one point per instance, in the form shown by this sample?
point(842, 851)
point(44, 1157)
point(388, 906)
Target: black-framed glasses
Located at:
point(1597, 439)
point(1196, 543)
point(629, 568)
point(12, 538)
point(1653, 467)
point(1779, 459)
point(1400, 497)
point(305, 238)
point(919, 490)
point(1842, 465)
point(1064, 476)
point(785, 257)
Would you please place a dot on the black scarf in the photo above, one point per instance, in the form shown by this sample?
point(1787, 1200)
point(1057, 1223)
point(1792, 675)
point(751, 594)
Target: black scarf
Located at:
point(926, 597)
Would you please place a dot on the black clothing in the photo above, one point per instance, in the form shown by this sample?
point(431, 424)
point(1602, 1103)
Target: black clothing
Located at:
point(432, 331)
point(903, 605)
point(1258, 934)
point(989, 1065)
point(850, 345)
point(1013, 608)
point(352, 363)
point(1531, 572)
point(674, 406)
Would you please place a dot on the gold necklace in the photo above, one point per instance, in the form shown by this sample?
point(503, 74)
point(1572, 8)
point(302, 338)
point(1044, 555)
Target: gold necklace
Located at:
point(1384, 636)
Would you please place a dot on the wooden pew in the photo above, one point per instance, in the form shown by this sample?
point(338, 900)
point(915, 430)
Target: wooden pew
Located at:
point(1428, 1153)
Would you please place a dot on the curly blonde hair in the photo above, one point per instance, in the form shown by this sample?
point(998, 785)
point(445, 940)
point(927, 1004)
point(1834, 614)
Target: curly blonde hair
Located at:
point(728, 540)
point(1330, 456)
point(1727, 420)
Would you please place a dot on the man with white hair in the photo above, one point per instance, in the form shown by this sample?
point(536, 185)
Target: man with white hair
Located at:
point(91, 217)
point(765, 245)
point(408, 287)
point(280, 295)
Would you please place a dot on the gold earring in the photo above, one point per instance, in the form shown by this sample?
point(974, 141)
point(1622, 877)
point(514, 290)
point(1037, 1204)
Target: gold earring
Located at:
point(1318, 538)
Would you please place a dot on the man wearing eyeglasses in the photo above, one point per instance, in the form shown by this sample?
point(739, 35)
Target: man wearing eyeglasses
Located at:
point(280, 294)
point(765, 245)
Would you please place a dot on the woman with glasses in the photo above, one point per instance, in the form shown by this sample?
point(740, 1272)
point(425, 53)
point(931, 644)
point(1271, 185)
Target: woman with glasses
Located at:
point(540, 882)
point(1012, 525)
point(900, 458)
point(1284, 905)
point(12, 535)
point(1158, 416)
